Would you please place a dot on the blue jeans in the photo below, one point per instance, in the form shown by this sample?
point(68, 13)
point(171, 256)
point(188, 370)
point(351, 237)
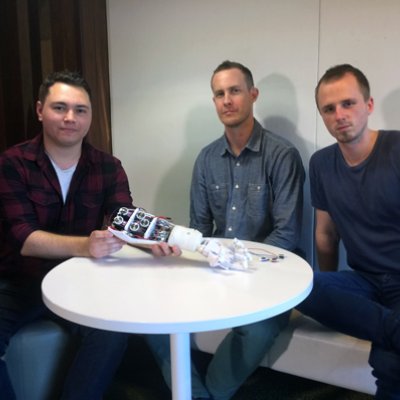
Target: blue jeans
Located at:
point(96, 361)
point(366, 306)
point(236, 358)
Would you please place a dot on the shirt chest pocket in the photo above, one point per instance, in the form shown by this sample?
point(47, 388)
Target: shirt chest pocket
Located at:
point(45, 204)
point(219, 195)
point(88, 205)
point(257, 199)
point(85, 212)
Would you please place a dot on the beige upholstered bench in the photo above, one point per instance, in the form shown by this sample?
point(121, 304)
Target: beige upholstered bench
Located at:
point(309, 350)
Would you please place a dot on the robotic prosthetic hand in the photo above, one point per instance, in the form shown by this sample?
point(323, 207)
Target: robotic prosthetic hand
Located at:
point(136, 226)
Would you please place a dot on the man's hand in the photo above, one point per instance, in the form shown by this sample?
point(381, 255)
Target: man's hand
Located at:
point(103, 243)
point(163, 249)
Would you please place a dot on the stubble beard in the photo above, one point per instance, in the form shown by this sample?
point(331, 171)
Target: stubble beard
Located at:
point(350, 136)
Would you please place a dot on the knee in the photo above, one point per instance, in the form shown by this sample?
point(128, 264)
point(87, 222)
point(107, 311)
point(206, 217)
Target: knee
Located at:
point(112, 341)
point(159, 345)
point(311, 303)
point(262, 332)
point(116, 339)
point(306, 305)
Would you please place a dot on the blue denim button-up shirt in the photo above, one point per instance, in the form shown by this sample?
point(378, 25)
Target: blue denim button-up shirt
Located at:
point(256, 196)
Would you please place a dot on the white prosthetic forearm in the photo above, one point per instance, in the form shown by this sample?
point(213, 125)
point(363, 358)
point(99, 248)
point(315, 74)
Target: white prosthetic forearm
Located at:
point(136, 223)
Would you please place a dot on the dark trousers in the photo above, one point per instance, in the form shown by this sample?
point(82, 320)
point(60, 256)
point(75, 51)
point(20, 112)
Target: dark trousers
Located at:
point(366, 306)
point(96, 360)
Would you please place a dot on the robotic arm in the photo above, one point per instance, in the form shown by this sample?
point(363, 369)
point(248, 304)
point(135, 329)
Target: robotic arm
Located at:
point(135, 225)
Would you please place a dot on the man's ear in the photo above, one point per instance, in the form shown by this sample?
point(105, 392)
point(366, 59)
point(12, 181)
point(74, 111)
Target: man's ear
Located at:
point(39, 109)
point(370, 105)
point(254, 93)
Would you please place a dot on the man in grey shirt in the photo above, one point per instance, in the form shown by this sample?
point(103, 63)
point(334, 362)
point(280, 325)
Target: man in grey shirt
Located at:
point(247, 184)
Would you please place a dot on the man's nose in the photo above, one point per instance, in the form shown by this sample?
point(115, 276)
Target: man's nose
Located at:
point(69, 115)
point(339, 112)
point(227, 98)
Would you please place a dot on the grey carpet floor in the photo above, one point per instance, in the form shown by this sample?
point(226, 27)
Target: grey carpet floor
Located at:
point(139, 378)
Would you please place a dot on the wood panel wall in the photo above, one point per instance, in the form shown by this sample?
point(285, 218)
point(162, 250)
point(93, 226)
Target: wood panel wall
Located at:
point(41, 36)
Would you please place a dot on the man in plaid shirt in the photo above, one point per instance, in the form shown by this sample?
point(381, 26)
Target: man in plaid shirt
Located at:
point(56, 194)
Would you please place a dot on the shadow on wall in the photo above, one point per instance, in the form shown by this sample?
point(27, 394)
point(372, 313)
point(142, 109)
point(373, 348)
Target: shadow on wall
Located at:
point(277, 109)
point(172, 197)
point(390, 110)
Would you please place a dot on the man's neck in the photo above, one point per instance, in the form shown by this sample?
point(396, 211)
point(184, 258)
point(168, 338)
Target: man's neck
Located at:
point(64, 157)
point(356, 153)
point(239, 136)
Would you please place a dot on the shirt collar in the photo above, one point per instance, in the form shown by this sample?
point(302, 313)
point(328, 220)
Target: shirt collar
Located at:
point(35, 150)
point(254, 143)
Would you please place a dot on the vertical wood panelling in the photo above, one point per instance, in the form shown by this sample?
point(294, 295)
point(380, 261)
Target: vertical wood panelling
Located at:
point(94, 45)
point(40, 36)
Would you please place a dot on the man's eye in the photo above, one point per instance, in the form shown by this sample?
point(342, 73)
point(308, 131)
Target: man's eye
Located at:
point(59, 108)
point(348, 103)
point(328, 110)
point(235, 90)
point(81, 111)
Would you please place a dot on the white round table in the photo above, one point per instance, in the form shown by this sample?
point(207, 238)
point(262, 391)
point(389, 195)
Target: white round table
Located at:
point(132, 291)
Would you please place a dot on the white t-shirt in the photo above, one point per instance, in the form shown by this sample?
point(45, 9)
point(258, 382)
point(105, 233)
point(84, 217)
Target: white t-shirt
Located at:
point(64, 177)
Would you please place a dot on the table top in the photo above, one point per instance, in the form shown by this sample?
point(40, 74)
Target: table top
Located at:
point(133, 291)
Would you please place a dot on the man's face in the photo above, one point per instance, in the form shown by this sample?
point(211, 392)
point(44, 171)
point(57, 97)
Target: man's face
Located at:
point(66, 115)
point(232, 98)
point(343, 108)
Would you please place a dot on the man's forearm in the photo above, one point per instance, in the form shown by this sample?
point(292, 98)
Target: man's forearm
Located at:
point(50, 245)
point(327, 262)
point(328, 256)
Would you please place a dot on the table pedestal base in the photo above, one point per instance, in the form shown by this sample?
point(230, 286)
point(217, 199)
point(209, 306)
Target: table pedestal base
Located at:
point(181, 367)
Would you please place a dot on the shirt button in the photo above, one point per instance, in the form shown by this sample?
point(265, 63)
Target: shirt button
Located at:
point(233, 208)
point(216, 187)
point(230, 229)
point(238, 164)
point(236, 186)
point(258, 187)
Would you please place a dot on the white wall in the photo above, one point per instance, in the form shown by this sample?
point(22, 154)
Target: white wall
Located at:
point(162, 54)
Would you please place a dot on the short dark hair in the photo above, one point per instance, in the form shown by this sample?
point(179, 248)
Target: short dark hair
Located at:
point(231, 65)
point(338, 71)
point(65, 76)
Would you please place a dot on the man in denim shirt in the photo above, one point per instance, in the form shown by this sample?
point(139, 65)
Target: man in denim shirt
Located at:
point(247, 184)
